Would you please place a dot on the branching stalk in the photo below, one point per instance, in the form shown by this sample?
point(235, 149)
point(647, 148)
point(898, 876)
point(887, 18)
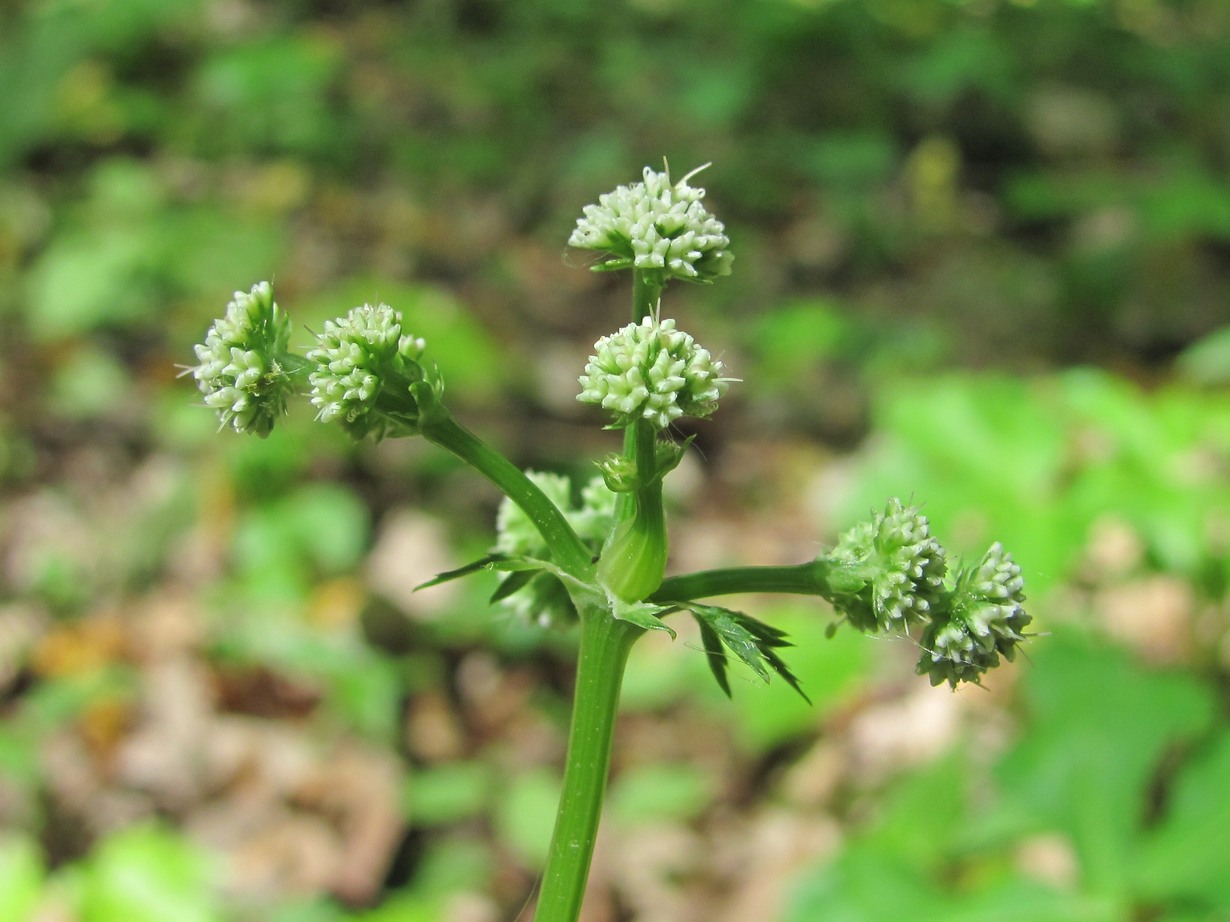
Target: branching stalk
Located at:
point(567, 550)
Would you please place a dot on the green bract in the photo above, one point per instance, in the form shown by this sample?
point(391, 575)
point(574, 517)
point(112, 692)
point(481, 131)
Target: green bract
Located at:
point(244, 368)
point(364, 366)
point(654, 372)
point(543, 599)
point(889, 572)
point(656, 226)
point(982, 619)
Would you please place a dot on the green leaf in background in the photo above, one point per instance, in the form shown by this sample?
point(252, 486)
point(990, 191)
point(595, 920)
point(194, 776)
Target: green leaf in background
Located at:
point(1185, 858)
point(408, 907)
point(21, 878)
point(147, 874)
point(1100, 725)
point(1036, 463)
point(1100, 728)
point(458, 864)
point(865, 887)
point(854, 161)
point(660, 793)
point(447, 793)
point(270, 94)
point(88, 278)
point(796, 337)
point(828, 668)
point(91, 382)
point(134, 246)
point(283, 546)
point(525, 815)
point(1207, 361)
point(310, 911)
point(365, 689)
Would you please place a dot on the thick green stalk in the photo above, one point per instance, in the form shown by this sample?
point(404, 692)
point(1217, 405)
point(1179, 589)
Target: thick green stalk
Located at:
point(634, 559)
point(605, 643)
point(567, 551)
point(800, 579)
point(646, 290)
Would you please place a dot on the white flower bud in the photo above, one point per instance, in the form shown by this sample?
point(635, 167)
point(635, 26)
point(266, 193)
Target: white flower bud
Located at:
point(656, 226)
point(652, 371)
point(241, 365)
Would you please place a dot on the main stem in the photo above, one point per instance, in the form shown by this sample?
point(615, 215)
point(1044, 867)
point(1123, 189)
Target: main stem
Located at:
point(605, 643)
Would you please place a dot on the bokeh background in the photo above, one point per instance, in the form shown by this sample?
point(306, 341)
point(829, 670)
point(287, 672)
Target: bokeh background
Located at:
point(982, 260)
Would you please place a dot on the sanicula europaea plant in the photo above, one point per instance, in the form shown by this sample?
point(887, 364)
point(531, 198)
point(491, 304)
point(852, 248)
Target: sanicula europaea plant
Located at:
point(598, 558)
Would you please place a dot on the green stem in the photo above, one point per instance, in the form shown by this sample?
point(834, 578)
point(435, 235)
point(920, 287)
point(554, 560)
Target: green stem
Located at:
point(647, 288)
point(567, 551)
point(634, 559)
point(800, 579)
point(605, 643)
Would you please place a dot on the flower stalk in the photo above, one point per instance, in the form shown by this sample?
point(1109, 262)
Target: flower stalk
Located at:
point(567, 550)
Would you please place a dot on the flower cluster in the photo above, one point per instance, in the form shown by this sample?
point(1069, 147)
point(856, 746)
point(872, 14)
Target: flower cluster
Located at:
point(243, 366)
point(654, 372)
point(887, 573)
point(657, 226)
point(983, 619)
point(543, 599)
point(364, 366)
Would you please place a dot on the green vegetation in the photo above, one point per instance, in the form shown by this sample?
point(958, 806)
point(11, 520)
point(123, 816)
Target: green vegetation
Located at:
point(981, 262)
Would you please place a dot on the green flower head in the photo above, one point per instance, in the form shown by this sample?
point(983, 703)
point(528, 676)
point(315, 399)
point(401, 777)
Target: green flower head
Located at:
point(543, 599)
point(657, 226)
point(650, 370)
point(982, 621)
point(889, 572)
point(364, 366)
point(244, 367)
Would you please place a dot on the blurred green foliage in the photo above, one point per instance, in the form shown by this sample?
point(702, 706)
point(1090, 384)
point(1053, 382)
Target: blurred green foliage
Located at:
point(1082, 780)
point(1038, 462)
point(971, 237)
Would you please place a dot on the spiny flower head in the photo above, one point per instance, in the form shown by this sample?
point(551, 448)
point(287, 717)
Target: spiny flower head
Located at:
point(656, 225)
point(652, 371)
point(889, 572)
point(982, 621)
point(364, 366)
point(244, 365)
point(544, 600)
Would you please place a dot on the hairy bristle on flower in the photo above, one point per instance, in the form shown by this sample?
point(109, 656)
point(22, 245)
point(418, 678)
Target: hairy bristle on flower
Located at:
point(983, 619)
point(657, 226)
point(650, 370)
point(242, 365)
point(361, 360)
